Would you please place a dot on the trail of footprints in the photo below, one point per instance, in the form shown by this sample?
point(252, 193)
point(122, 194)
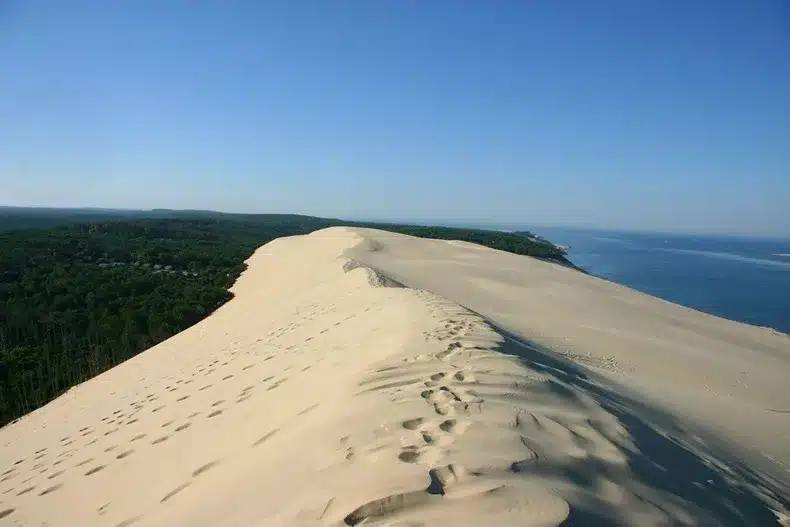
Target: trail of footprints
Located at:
point(48, 472)
point(450, 393)
point(444, 387)
point(48, 465)
point(449, 403)
point(447, 391)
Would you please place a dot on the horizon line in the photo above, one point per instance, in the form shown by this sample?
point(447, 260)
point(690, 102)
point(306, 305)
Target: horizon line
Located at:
point(495, 225)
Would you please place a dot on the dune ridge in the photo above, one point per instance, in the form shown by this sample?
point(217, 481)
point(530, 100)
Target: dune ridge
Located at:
point(334, 390)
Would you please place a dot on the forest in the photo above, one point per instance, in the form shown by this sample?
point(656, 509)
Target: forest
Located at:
point(82, 296)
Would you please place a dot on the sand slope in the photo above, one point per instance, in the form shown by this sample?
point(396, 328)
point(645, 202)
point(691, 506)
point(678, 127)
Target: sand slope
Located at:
point(327, 393)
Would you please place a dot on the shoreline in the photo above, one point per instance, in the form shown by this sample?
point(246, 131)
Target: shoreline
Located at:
point(731, 287)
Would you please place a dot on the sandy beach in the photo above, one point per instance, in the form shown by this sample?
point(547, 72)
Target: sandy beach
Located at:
point(360, 377)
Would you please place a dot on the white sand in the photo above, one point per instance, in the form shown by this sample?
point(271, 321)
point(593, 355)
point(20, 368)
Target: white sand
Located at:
point(325, 394)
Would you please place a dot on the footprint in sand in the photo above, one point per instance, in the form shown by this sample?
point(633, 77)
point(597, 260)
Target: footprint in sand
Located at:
point(205, 468)
point(308, 409)
point(451, 349)
point(265, 437)
point(448, 425)
point(461, 376)
point(409, 455)
point(175, 491)
point(94, 470)
point(426, 454)
point(50, 490)
point(412, 424)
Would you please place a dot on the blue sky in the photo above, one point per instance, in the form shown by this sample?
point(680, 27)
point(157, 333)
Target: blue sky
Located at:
point(656, 114)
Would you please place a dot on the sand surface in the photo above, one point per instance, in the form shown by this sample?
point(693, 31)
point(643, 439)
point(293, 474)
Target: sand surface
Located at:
point(366, 378)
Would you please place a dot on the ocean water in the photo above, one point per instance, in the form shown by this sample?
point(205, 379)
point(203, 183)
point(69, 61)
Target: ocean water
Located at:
point(743, 279)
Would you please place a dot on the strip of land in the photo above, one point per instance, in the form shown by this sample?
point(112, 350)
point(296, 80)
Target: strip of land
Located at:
point(360, 377)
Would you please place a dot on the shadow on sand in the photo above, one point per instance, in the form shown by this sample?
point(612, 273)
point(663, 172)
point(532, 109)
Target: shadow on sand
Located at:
point(710, 487)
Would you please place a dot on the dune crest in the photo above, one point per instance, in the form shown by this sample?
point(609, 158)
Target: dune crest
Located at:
point(335, 390)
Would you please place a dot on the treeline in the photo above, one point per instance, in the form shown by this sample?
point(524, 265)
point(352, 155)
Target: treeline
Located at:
point(79, 299)
point(524, 243)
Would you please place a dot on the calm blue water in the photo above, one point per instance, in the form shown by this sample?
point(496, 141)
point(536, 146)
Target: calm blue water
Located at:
point(742, 279)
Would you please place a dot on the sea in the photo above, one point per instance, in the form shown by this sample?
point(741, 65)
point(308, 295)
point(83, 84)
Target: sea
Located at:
point(740, 278)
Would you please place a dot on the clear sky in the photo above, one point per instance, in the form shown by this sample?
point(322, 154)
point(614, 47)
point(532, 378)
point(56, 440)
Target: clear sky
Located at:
point(671, 115)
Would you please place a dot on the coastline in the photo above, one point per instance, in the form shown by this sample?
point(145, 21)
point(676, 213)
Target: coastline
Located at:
point(731, 277)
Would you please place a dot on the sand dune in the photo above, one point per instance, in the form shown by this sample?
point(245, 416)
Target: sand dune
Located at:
point(364, 378)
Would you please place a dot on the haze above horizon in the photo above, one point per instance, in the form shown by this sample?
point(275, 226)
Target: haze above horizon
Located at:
point(662, 116)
